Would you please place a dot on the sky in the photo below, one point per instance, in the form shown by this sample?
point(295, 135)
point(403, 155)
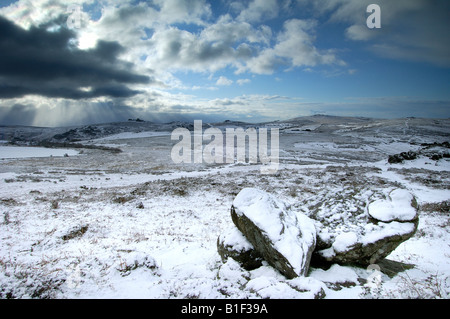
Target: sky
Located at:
point(93, 61)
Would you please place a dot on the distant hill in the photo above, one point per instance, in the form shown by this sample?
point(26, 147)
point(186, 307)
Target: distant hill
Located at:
point(315, 123)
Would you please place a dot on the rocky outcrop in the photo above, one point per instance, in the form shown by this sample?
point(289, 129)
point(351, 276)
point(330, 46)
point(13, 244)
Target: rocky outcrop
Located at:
point(400, 205)
point(434, 151)
point(282, 237)
point(391, 221)
point(351, 248)
point(404, 156)
point(267, 229)
point(233, 244)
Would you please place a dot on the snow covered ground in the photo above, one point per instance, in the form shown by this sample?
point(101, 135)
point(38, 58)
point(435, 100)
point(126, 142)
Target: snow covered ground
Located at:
point(136, 225)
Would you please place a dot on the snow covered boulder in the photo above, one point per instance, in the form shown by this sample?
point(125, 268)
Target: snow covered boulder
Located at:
point(284, 239)
point(233, 244)
point(374, 235)
point(400, 206)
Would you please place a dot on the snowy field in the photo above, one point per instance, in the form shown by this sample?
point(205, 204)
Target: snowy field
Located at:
point(31, 152)
point(97, 224)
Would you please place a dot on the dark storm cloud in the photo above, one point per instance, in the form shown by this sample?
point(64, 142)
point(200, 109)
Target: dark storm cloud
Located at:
point(48, 63)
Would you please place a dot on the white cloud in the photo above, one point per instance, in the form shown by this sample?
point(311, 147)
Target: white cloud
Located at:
point(224, 81)
point(231, 31)
point(259, 10)
point(294, 48)
point(359, 32)
point(184, 11)
point(226, 43)
point(297, 44)
point(27, 12)
point(175, 49)
point(265, 63)
point(243, 81)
